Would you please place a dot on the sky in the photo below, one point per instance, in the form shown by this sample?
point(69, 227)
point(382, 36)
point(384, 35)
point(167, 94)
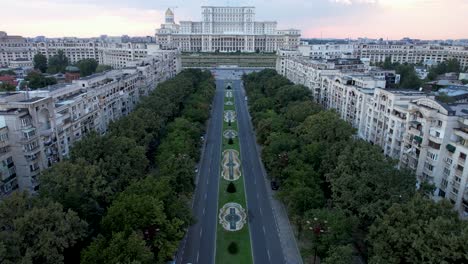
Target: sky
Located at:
point(388, 19)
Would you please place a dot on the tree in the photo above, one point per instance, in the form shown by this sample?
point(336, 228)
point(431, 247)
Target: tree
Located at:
point(339, 255)
point(103, 68)
point(145, 213)
point(324, 126)
point(337, 227)
point(419, 231)
point(78, 186)
point(58, 62)
point(40, 62)
point(366, 184)
point(409, 78)
point(36, 231)
point(233, 248)
point(37, 80)
point(87, 66)
point(121, 248)
point(231, 188)
point(6, 87)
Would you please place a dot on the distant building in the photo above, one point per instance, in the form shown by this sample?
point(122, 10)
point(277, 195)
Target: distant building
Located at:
point(72, 73)
point(422, 72)
point(225, 29)
point(21, 63)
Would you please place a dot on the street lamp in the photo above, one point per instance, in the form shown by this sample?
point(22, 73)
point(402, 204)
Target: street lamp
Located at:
point(318, 227)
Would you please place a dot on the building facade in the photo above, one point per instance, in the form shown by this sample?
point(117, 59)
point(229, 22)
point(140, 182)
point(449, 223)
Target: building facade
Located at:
point(429, 54)
point(16, 51)
point(225, 29)
point(38, 128)
point(423, 134)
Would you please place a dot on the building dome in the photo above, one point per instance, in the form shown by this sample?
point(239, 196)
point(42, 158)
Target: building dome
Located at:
point(169, 16)
point(169, 12)
point(72, 69)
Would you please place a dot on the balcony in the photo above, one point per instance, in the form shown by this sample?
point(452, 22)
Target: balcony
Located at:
point(463, 121)
point(46, 132)
point(415, 131)
point(435, 139)
point(461, 132)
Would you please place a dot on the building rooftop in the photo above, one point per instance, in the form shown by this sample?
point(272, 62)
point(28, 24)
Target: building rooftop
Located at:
point(31, 100)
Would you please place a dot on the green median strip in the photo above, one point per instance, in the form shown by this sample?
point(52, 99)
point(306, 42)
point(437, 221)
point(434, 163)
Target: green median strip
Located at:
point(232, 247)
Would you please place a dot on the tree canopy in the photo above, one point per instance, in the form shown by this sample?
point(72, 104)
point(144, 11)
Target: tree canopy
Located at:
point(133, 184)
point(37, 231)
point(87, 66)
point(419, 231)
point(38, 80)
point(58, 63)
point(40, 62)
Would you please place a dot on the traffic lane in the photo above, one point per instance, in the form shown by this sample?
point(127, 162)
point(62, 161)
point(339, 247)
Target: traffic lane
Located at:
point(258, 191)
point(205, 203)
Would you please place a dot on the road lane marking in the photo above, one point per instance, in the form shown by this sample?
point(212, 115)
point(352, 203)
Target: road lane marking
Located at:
point(205, 196)
point(263, 227)
point(203, 211)
point(198, 255)
point(261, 212)
point(201, 231)
point(268, 253)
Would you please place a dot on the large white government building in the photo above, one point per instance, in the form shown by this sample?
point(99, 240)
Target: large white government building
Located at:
point(225, 29)
point(425, 135)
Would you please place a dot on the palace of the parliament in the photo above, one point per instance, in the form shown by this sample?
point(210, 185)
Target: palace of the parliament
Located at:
point(226, 29)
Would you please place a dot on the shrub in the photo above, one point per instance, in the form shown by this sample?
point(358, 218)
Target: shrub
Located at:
point(233, 248)
point(231, 188)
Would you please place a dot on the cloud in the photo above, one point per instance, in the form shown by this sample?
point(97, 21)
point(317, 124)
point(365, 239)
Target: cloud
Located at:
point(330, 18)
point(60, 18)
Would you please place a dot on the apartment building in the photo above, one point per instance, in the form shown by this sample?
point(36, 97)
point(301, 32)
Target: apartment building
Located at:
point(225, 29)
point(328, 51)
point(424, 135)
point(38, 128)
point(429, 54)
point(16, 51)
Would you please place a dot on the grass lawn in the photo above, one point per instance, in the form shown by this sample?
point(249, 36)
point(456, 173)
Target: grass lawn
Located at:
point(242, 237)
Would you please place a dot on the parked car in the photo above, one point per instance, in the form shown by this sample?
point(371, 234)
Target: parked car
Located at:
point(274, 185)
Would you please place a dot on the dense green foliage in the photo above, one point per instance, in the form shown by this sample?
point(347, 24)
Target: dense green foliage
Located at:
point(451, 65)
point(57, 63)
point(40, 62)
point(103, 68)
point(37, 80)
point(36, 231)
point(6, 87)
point(87, 66)
point(419, 231)
point(122, 197)
point(333, 182)
point(408, 77)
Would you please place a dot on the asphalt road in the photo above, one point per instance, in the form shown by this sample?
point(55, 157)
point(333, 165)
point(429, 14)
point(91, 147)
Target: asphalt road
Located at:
point(263, 227)
point(199, 245)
